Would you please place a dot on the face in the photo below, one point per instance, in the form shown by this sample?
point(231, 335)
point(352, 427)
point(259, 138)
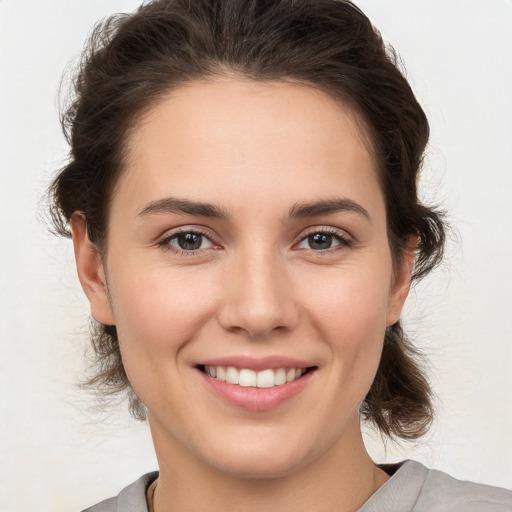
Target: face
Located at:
point(247, 243)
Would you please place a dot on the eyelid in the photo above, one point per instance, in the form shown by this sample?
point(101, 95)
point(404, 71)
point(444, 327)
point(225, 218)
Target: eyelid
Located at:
point(345, 239)
point(326, 229)
point(164, 240)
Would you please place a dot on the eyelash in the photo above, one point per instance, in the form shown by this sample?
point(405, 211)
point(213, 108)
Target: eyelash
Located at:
point(165, 243)
point(343, 240)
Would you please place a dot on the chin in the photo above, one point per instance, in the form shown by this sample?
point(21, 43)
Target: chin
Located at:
point(259, 459)
point(260, 468)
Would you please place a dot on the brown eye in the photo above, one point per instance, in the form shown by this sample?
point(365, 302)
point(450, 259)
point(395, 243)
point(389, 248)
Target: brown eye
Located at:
point(323, 241)
point(320, 241)
point(188, 241)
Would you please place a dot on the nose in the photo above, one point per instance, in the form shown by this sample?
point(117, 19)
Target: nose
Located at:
point(258, 298)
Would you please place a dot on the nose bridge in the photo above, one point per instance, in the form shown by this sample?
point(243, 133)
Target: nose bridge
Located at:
point(258, 299)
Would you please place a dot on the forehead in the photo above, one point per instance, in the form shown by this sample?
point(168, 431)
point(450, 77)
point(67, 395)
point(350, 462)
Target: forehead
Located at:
point(223, 136)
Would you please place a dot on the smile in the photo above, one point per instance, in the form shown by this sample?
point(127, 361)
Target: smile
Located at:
point(256, 384)
point(245, 377)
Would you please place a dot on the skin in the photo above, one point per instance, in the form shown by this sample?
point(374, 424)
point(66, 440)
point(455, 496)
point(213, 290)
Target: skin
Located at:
point(255, 287)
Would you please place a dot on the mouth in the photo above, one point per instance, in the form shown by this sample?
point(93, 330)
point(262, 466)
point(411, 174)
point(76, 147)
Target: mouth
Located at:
point(265, 378)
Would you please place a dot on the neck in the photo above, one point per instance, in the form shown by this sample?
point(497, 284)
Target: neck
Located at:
point(341, 479)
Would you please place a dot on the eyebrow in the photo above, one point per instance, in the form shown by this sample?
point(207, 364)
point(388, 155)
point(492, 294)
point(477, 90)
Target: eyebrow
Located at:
point(175, 205)
point(298, 210)
point(326, 207)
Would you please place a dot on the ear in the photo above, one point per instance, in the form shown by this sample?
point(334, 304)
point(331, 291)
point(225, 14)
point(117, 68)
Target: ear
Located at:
point(401, 282)
point(91, 272)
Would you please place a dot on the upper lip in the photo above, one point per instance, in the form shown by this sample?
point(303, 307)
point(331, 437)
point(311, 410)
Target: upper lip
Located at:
point(257, 363)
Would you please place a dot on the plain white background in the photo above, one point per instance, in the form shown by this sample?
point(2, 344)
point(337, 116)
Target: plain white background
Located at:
point(59, 455)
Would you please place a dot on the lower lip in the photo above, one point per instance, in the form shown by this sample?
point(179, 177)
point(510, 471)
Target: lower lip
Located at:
point(256, 399)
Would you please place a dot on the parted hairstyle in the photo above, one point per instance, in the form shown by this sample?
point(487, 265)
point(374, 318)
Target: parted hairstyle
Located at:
point(132, 60)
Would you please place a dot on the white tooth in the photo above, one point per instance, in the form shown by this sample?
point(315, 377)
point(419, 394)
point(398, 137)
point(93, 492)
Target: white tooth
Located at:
point(280, 377)
point(231, 375)
point(247, 378)
point(265, 379)
point(221, 373)
point(210, 370)
point(290, 375)
point(298, 373)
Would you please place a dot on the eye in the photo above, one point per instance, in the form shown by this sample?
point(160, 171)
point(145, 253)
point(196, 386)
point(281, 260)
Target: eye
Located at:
point(323, 240)
point(187, 242)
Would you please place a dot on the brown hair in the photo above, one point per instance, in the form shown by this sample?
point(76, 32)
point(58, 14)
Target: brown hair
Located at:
point(132, 60)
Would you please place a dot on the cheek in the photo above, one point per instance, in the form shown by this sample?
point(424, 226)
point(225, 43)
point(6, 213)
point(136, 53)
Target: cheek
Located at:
point(350, 312)
point(159, 312)
point(157, 315)
point(352, 303)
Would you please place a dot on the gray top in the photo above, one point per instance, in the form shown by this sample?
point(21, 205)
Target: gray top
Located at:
point(415, 488)
point(412, 488)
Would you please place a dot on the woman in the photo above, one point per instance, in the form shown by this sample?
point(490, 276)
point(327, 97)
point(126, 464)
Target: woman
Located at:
point(242, 200)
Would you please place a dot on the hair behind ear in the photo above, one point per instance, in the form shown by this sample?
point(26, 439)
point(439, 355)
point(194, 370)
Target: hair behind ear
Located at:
point(399, 402)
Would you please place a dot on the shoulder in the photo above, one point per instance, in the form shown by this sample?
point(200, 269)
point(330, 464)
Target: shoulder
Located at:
point(131, 499)
point(448, 493)
point(415, 488)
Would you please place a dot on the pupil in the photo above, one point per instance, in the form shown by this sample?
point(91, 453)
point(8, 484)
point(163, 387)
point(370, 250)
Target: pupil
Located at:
point(320, 241)
point(189, 241)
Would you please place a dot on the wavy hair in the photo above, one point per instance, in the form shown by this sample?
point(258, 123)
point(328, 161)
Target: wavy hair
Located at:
point(132, 60)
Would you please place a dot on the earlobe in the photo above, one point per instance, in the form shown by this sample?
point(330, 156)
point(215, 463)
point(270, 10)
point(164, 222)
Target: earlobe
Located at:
point(402, 283)
point(91, 272)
